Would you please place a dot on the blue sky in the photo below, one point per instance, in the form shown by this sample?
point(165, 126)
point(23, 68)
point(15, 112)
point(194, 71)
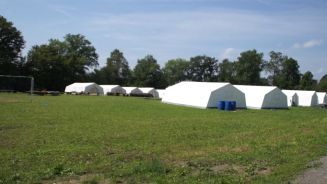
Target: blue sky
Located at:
point(168, 29)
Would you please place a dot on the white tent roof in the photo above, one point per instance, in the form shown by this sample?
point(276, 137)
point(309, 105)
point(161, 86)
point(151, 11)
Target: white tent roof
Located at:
point(149, 90)
point(132, 90)
point(202, 94)
point(322, 97)
point(79, 87)
point(307, 98)
point(292, 97)
point(261, 97)
point(112, 89)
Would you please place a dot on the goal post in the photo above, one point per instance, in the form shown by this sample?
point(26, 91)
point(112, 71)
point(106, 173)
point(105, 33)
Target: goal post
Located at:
point(4, 86)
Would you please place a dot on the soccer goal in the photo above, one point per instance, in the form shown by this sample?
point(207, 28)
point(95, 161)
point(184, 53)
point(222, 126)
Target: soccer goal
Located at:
point(16, 88)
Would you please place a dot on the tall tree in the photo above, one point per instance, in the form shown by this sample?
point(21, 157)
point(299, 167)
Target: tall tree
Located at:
point(117, 69)
point(59, 63)
point(11, 45)
point(147, 73)
point(226, 71)
point(307, 82)
point(289, 77)
point(274, 67)
point(175, 70)
point(248, 67)
point(203, 68)
point(323, 84)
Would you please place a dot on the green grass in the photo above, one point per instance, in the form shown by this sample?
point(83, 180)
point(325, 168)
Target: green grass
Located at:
point(134, 140)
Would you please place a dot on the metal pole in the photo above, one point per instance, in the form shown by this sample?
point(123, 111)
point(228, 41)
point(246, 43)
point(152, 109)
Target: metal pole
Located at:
point(32, 85)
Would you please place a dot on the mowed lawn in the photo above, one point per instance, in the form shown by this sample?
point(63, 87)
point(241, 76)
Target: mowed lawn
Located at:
point(112, 139)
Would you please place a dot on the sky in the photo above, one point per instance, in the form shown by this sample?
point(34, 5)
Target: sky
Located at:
point(169, 29)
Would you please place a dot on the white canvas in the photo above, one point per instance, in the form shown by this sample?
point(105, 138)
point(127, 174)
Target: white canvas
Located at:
point(150, 91)
point(203, 94)
point(115, 89)
point(87, 88)
point(132, 90)
point(263, 97)
point(161, 93)
point(292, 97)
point(307, 98)
point(322, 97)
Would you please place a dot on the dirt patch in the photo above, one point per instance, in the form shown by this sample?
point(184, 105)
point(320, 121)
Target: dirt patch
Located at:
point(314, 175)
point(87, 178)
point(220, 168)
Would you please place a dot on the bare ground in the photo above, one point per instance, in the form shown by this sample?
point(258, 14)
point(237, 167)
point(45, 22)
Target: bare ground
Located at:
point(315, 175)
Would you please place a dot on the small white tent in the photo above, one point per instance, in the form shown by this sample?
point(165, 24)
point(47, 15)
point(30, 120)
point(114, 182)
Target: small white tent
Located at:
point(85, 88)
point(307, 98)
point(292, 98)
point(263, 97)
point(161, 93)
point(132, 91)
point(322, 97)
point(150, 91)
point(112, 89)
point(203, 94)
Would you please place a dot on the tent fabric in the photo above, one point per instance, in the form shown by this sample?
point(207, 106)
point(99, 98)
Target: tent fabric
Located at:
point(87, 88)
point(322, 97)
point(150, 91)
point(132, 90)
point(113, 89)
point(307, 98)
point(161, 93)
point(203, 94)
point(263, 97)
point(292, 97)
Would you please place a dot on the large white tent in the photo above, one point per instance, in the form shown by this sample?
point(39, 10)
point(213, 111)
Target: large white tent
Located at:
point(161, 93)
point(85, 88)
point(203, 94)
point(307, 98)
point(292, 97)
point(112, 89)
point(132, 91)
point(322, 97)
point(263, 97)
point(150, 91)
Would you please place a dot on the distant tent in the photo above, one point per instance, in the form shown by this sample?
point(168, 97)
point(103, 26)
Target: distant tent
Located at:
point(132, 91)
point(307, 98)
point(161, 93)
point(292, 97)
point(322, 97)
point(84, 88)
point(263, 97)
point(203, 94)
point(112, 89)
point(150, 91)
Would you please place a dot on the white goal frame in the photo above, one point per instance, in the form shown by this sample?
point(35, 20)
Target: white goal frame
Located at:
point(19, 76)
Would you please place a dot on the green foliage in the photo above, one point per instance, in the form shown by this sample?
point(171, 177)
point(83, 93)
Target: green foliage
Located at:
point(59, 63)
point(289, 78)
point(323, 84)
point(307, 82)
point(134, 140)
point(226, 71)
point(248, 67)
point(147, 73)
point(175, 70)
point(203, 68)
point(11, 45)
point(117, 68)
point(274, 67)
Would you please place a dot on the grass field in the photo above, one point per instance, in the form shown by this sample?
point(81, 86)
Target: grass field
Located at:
point(96, 139)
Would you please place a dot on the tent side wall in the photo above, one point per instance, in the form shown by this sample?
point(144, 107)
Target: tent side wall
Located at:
point(94, 89)
point(275, 99)
point(314, 100)
point(227, 93)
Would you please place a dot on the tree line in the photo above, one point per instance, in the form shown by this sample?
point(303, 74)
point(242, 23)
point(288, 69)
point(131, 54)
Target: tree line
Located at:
point(74, 59)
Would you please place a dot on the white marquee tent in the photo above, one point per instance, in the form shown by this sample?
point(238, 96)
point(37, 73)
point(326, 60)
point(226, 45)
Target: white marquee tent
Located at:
point(161, 93)
point(113, 89)
point(132, 91)
point(292, 98)
point(307, 98)
point(322, 97)
point(203, 94)
point(263, 97)
point(150, 91)
point(86, 88)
